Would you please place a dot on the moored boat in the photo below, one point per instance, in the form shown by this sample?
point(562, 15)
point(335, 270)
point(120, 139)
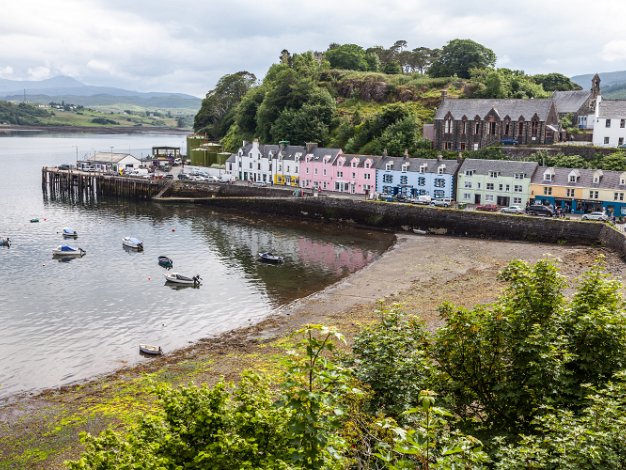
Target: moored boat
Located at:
point(268, 257)
point(185, 280)
point(69, 232)
point(166, 262)
point(150, 349)
point(67, 250)
point(132, 242)
point(5, 242)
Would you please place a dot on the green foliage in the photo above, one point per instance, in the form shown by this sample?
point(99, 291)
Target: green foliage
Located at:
point(555, 82)
point(104, 121)
point(504, 83)
point(21, 114)
point(348, 56)
point(615, 161)
point(217, 112)
point(459, 56)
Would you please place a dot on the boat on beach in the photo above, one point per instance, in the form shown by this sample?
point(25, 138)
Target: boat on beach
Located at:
point(166, 262)
point(69, 232)
point(184, 280)
point(67, 251)
point(150, 350)
point(270, 258)
point(132, 242)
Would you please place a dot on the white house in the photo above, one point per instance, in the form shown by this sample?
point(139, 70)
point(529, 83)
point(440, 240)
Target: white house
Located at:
point(609, 128)
point(109, 161)
point(260, 163)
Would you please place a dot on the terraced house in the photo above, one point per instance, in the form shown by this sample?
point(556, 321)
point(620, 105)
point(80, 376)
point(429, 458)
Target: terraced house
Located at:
point(412, 177)
point(316, 168)
point(355, 174)
point(471, 124)
point(270, 164)
point(580, 190)
point(499, 182)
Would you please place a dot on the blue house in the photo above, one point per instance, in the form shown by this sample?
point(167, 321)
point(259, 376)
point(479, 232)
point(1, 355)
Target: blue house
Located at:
point(412, 177)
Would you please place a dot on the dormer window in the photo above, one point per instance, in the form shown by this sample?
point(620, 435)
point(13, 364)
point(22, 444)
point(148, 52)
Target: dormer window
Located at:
point(572, 178)
point(520, 176)
point(622, 179)
point(423, 168)
point(441, 170)
point(368, 164)
point(388, 166)
point(448, 126)
point(405, 167)
point(548, 176)
point(354, 163)
point(597, 176)
point(494, 174)
point(470, 172)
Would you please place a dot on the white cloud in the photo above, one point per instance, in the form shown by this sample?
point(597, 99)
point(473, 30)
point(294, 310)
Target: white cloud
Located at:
point(614, 51)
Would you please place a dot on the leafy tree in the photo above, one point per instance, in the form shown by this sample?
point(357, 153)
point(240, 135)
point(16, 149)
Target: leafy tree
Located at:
point(347, 56)
point(555, 82)
point(504, 83)
point(246, 112)
point(615, 161)
point(459, 56)
point(217, 111)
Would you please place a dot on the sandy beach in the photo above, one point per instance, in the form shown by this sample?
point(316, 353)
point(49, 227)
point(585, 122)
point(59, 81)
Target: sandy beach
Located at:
point(418, 273)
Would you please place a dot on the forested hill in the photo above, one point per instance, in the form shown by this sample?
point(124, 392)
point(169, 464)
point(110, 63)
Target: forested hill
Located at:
point(361, 100)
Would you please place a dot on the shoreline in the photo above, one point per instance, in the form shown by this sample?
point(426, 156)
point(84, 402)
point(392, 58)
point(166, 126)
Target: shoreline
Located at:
point(7, 128)
point(419, 272)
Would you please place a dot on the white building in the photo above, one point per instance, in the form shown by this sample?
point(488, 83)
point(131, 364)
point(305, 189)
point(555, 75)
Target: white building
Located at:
point(109, 161)
point(609, 129)
point(271, 164)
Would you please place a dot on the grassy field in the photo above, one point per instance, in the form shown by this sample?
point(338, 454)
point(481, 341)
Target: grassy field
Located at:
point(92, 117)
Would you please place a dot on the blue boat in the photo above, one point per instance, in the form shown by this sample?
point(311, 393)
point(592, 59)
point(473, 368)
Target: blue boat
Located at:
point(132, 242)
point(70, 232)
point(67, 250)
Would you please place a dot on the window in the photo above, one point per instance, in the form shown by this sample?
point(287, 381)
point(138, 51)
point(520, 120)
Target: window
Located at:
point(405, 167)
point(618, 196)
point(367, 176)
point(572, 178)
point(500, 187)
point(307, 170)
point(404, 179)
point(469, 172)
point(324, 171)
point(548, 176)
point(507, 128)
point(606, 140)
point(464, 127)
point(622, 123)
point(467, 196)
point(366, 187)
point(353, 176)
point(324, 185)
point(448, 145)
point(520, 176)
point(570, 192)
point(489, 197)
point(489, 186)
point(620, 141)
point(438, 194)
point(447, 126)
point(607, 123)
point(593, 194)
point(340, 174)
point(494, 174)
point(441, 170)
point(250, 165)
point(354, 163)
point(547, 190)
point(468, 184)
point(440, 183)
point(421, 181)
point(492, 128)
point(423, 168)
point(517, 200)
point(387, 178)
point(520, 128)
point(518, 188)
point(368, 164)
point(315, 171)
point(388, 166)
point(507, 188)
point(534, 128)
point(477, 127)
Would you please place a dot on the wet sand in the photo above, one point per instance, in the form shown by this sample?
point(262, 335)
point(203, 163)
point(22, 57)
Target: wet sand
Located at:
point(418, 273)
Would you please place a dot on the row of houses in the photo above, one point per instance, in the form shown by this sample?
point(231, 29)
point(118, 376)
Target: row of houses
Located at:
point(472, 181)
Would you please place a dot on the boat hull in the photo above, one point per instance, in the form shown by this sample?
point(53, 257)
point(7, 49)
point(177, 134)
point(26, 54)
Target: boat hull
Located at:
point(150, 350)
point(270, 258)
point(183, 280)
point(132, 243)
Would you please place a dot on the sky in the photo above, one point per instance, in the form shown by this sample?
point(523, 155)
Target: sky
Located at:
point(185, 46)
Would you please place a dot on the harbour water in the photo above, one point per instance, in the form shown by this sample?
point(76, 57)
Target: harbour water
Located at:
point(65, 321)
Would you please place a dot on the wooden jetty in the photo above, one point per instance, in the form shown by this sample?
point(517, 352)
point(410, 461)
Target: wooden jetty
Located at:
point(91, 186)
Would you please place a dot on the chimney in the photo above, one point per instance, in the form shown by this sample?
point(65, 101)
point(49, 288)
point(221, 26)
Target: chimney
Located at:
point(310, 146)
point(439, 157)
point(384, 152)
point(406, 153)
point(459, 157)
point(245, 142)
point(444, 94)
point(282, 145)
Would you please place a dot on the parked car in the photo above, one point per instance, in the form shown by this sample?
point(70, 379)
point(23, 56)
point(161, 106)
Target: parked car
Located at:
point(183, 176)
point(597, 215)
point(423, 199)
point(65, 166)
point(169, 176)
point(541, 210)
point(487, 207)
point(508, 141)
point(441, 202)
point(512, 210)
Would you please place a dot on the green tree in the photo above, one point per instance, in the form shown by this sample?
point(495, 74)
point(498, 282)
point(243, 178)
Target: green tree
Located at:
point(347, 56)
point(615, 161)
point(555, 82)
point(217, 111)
point(459, 56)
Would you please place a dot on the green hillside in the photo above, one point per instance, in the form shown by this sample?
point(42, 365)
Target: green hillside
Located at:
point(361, 100)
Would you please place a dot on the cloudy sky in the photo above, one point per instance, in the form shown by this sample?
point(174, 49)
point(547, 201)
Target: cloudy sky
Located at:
point(185, 46)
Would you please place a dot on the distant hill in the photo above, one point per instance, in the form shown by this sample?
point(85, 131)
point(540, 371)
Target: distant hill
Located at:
point(612, 84)
point(69, 90)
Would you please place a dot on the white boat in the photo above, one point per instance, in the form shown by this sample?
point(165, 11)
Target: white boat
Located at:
point(67, 250)
point(270, 258)
point(70, 232)
point(180, 279)
point(132, 242)
point(5, 241)
point(150, 349)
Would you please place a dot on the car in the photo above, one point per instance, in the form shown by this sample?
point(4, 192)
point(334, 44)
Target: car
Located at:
point(183, 176)
point(512, 210)
point(508, 141)
point(423, 199)
point(65, 166)
point(596, 215)
point(487, 207)
point(540, 209)
point(260, 183)
point(441, 202)
point(169, 176)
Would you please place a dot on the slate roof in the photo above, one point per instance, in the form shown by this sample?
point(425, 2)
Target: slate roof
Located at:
point(514, 108)
point(610, 179)
point(432, 164)
point(319, 153)
point(361, 158)
point(232, 158)
point(108, 157)
point(504, 167)
point(612, 108)
point(570, 101)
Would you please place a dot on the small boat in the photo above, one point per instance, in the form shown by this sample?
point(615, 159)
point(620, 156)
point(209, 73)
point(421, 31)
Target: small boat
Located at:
point(150, 349)
point(132, 242)
point(5, 242)
point(69, 232)
point(180, 279)
point(32, 221)
point(67, 250)
point(270, 258)
point(166, 262)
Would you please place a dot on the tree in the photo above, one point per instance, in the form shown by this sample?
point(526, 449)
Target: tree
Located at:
point(217, 111)
point(347, 56)
point(459, 56)
point(555, 82)
point(615, 161)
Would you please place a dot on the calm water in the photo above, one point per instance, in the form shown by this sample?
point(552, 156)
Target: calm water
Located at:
point(64, 321)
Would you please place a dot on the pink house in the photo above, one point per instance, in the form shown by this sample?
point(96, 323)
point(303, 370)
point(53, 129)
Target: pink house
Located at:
point(355, 174)
point(316, 168)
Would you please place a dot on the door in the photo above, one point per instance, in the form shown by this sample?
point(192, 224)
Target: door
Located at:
point(476, 198)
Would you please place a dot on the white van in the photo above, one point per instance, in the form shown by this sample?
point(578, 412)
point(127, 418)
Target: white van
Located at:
point(141, 172)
